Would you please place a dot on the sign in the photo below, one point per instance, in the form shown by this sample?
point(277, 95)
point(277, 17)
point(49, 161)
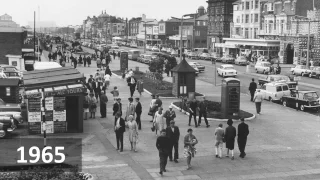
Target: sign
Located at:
point(49, 103)
point(296, 78)
point(34, 105)
point(59, 127)
point(59, 116)
point(49, 115)
point(59, 103)
point(48, 127)
point(34, 128)
point(62, 92)
point(34, 116)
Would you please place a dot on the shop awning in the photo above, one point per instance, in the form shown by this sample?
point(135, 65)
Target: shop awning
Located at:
point(251, 42)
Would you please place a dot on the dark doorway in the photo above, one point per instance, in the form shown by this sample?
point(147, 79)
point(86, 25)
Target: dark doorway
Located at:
point(290, 53)
point(72, 114)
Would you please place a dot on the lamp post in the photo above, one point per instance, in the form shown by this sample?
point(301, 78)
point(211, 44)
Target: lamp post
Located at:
point(145, 34)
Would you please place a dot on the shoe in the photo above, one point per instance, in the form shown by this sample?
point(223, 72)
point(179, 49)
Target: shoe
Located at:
point(217, 156)
point(102, 117)
point(121, 150)
point(165, 170)
point(199, 124)
point(151, 121)
point(189, 125)
point(208, 125)
point(176, 161)
point(227, 155)
point(170, 160)
point(160, 173)
point(232, 158)
point(117, 149)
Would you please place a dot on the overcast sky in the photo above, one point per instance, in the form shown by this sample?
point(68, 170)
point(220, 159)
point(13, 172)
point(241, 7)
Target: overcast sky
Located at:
point(73, 12)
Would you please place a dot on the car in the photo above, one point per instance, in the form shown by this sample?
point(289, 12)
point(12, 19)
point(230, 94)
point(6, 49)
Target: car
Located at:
point(133, 45)
point(199, 66)
point(6, 67)
point(7, 125)
point(148, 47)
point(12, 75)
point(241, 60)
point(169, 50)
point(263, 67)
point(155, 49)
point(147, 58)
point(195, 68)
point(11, 109)
point(275, 91)
point(193, 55)
point(300, 70)
point(278, 78)
point(227, 70)
point(205, 56)
point(228, 59)
point(140, 58)
point(304, 100)
point(215, 57)
point(174, 53)
point(155, 55)
point(163, 49)
point(315, 73)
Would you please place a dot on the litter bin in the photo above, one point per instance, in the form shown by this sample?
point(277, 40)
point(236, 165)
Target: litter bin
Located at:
point(137, 69)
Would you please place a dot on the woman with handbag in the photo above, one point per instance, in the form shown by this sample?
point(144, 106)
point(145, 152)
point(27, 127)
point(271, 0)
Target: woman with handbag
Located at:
point(189, 147)
point(133, 132)
point(153, 107)
point(158, 121)
point(86, 106)
point(92, 105)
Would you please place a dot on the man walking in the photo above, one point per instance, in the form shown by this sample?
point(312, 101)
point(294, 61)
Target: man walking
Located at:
point(132, 82)
point(138, 112)
point(169, 115)
point(258, 98)
point(119, 129)
point(173, 133)
point(131, 109)
point(203, 107)
point(243, 132)
point(117, 107)
point(219, 133)
point(193, 112)
point(163, 146)
point(252, 88)
point(103, 104)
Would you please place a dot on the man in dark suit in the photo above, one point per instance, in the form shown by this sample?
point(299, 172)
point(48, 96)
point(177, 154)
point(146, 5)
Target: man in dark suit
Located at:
point(243, 132)
point(173, 133)
point(252, 88)
point(203, 108)
point(119, 129)
point(132, 82)
point(103, 104)
point(163, 146)
point(117, 107)
point(138, 112)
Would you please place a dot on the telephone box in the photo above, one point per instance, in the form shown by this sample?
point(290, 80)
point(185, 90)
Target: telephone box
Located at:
point(123, 60)
point(230, 98)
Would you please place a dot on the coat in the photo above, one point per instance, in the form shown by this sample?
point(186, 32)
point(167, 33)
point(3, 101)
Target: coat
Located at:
point(243, 131)
point(122, 125)
point(138, 108)
point(117, 108)
point(230, 135)
point(131, 110)
point(140, 86)
point(173, 136)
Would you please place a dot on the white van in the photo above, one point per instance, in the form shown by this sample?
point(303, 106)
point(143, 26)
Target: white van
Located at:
point(45, 65)
point(275, 91)
point(133, 54)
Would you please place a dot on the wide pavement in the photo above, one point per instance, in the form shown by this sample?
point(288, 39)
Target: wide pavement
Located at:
point(283, 144)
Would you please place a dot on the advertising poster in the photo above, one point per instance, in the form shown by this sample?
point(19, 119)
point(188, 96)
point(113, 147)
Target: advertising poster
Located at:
point(49, 115)
point(49, 103)
point(60, 126)
point(34, 116)
point(49, 127)
point(59, 116)
point(34, 128)
point(34, 105)
point(59, 103)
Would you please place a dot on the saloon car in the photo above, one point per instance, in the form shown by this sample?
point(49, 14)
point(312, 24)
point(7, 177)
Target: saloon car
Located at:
point(193, 55)
point(14, 110)
point(315, 73)
point(262, 67)
point(205, 56)
point(147, 58)
point(241, 60)
point(305, 100)
point(227, 70)
point(300, 70)
point(199, 66)
point(7, 125)
point(228, 59)
point(278, 78)
point(195, 68)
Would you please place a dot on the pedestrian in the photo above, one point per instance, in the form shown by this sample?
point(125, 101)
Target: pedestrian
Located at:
point(140, 85)
point(50, 56)
point(219, 133)
point(92, 106)
point(89, 61)
point(108, 71)
point(189, 147)
point(117, 107)
point(97, 90)
point(84, 61)
point(75, 62)
point(103, 62)
point(115, 93)
point(131, 109)
point(159, 121)
point(152, 107)
point(230, 135)
point(80, 60)
point(163, 146)
point(203, 108)
point(243, 132)
point(158, 102)
point(106, 81)
point(85, 106)
point(132, 82)
point(169, 115)
point(103, 104)
point(119, 54)
point(173, 134)
point(252, 88)
point(193, 112)
point(98, 62)
point(133, 132)
point(119, 129)
point(258, 98)
point(138, 112)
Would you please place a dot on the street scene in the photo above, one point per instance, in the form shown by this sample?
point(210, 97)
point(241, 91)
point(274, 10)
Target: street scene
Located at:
point(217, 90)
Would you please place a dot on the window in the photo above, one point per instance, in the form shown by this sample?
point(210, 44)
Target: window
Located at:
point(256, 18)
point(238, 19)
point(242, 4)
point(247, 18)
point(197, 33)
point(255, 35)
point(8, 91)
point(285, 88)
point(251, 18)
point(161, 28)
point(237, 31)
point(204, 41)
point(278, 88)
point(252, 5)
point(176, 28)
point(246, 33)
point(235, 8)
point(247, 5)
point(256, 4)
point(242, 18)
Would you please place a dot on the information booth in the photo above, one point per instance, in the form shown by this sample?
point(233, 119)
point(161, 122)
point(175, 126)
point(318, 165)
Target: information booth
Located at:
point(64, 93)
point(230, 98)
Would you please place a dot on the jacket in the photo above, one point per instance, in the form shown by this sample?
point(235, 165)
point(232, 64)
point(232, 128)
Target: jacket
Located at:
point(163, 144)
point(173, 136)
point(117, 107)
point(243, 130)
point(253, 86)
point(122, 125)
point(138, 108)
point(230, 133)
point(131, 109)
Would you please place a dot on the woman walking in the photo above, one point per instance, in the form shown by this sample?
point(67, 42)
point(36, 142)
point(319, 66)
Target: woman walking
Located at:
point(159, 121)
point(92, 105)
point(86, 106)
point(140, 85)
point(133, 132)
point(230, 135)
point(153, 107)
point(189, 147)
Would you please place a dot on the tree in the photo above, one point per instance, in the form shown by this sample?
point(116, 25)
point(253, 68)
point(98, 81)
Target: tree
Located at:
point(156, 66)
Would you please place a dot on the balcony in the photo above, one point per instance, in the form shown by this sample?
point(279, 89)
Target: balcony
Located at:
point(274, 33)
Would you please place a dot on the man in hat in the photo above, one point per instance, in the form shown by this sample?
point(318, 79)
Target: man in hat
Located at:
point(252, 89)
point(119, 129)
point(163, 146)
point(173, 133)
point(203, 108)
point(243, 132)
point(169, 115)
point(138, 112)
point(117, 107)
point(103, 105)
point(131, 109)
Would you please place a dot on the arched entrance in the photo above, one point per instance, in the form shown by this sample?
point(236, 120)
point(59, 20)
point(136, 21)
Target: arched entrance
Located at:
point(290, 53)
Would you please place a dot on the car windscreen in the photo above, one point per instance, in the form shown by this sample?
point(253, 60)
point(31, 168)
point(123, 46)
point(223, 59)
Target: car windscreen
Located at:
point(312, 96)
point(266, 64)
point(229, 68)
point(281, 78)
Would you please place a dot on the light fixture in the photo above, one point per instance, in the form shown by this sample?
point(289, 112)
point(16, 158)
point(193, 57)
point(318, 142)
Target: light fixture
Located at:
point(8, 92)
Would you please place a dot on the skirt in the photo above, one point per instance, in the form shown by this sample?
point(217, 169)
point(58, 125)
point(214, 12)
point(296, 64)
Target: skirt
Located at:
point(132, 135)
point(230, 144)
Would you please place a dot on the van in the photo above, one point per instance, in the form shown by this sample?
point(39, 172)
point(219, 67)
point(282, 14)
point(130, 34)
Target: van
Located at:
point(133, 54)
point(45, 65)
point(275, 91)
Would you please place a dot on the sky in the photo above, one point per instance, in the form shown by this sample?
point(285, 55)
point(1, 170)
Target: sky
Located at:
point(73, 12)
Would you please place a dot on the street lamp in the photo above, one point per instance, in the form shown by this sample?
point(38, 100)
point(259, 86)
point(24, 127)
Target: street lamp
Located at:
point(186, 15)
point(145, 34)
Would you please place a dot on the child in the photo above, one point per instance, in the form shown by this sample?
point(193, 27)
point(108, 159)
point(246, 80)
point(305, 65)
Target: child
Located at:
point(115, 93)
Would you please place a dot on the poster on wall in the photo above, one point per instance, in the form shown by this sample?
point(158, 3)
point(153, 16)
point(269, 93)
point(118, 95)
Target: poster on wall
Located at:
point(34, 105)
point(59, 103)
point(49, 115)
point(59, 116)
point(49, 103)
point(49, 127)
point(34, 127)
point(34, 116)
point(60, 126)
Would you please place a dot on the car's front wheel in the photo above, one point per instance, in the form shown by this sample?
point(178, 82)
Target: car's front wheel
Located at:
point(302, 108)
point(310, 75)
point(3, 134)
point(284, 103)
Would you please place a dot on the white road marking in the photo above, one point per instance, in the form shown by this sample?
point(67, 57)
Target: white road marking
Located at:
point(105, 166)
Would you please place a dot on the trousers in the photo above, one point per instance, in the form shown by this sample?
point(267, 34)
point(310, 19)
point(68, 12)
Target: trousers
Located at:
point(138, 120)
point(194, 117)
point(175, 146)
point(103, 109)
point(163, 160)
point(242, 145)
point(132, 89)
point(258, 107)
point(204, 114)
point(119, 137)
point(252, 95)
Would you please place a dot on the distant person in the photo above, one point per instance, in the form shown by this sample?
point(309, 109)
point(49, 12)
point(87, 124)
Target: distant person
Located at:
point(219, 134)
point(243, 132)
point(252, 88)
point(170, 115)
point(132, 82)
point(115, 93)
point(189, 147)
point(173, 134)
point(258, 98)
point(193, 112)
point(131, 109)
point(203, 108)
point(119, 129)
point(103, 104)
point(138, 112)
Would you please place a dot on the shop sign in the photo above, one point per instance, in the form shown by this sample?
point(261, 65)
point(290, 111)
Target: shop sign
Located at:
point(62, 92)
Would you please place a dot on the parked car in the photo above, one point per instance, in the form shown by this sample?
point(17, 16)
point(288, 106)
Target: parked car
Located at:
point(300, 70)
point(148, 47)
point(199, 66)
point(133, 54)
point(275, 91)
point(147, 58)
point(163, 49)
point(215, 57)
point(140, 58)
point(278, 78)
point(226, 70)
point(12, 75)
point(133, 45)
point(155, 49)
point(7, 125)
point(241, 60)
point(262, 67)
point(195, 68)
point(205, 56)
point(315, 73)
point(305, 100)
point(174, 53)
point(11, 109)
point(228, 59)
point(193, 55)
point(6, 67)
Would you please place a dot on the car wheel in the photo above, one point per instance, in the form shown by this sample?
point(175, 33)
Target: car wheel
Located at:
point(3, 134)
point(302, 108)
point(263, 72)
point(270, 99)
point(302, 74)
point(223, 75)
point(310, 75)
point(284, 103)
point(257, 71)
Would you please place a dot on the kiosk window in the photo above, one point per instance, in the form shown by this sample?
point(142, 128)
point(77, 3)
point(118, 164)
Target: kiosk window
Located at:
point(182, 79)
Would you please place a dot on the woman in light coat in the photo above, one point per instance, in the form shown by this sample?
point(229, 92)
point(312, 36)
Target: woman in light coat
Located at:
point(133, 132)
point(159, 120)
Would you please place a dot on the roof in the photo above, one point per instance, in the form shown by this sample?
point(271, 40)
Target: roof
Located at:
point(237, 2)
point(203, 17)
point(183, 66)
point(177, 20)
point(9, 82)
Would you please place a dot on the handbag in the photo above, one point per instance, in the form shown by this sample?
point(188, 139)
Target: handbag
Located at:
point(153, 128)
point(150, 113)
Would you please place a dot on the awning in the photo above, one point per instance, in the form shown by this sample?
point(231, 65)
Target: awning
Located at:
point(251, 42)
point(56, 91)
point(223, 45)
point(178, 37)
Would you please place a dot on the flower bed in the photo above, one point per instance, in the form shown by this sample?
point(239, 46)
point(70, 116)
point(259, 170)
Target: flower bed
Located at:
point(214, 109)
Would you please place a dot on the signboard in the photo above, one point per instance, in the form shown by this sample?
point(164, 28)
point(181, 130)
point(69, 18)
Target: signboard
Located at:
point(34, 127)
point(49, 115)
point(59, 103)
point(49, 103)
point(59, 127)
point(34, 105)
point(49, 127)
point(34, 116)
point(59, 116)
point(123, 61)
point(62, 92)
